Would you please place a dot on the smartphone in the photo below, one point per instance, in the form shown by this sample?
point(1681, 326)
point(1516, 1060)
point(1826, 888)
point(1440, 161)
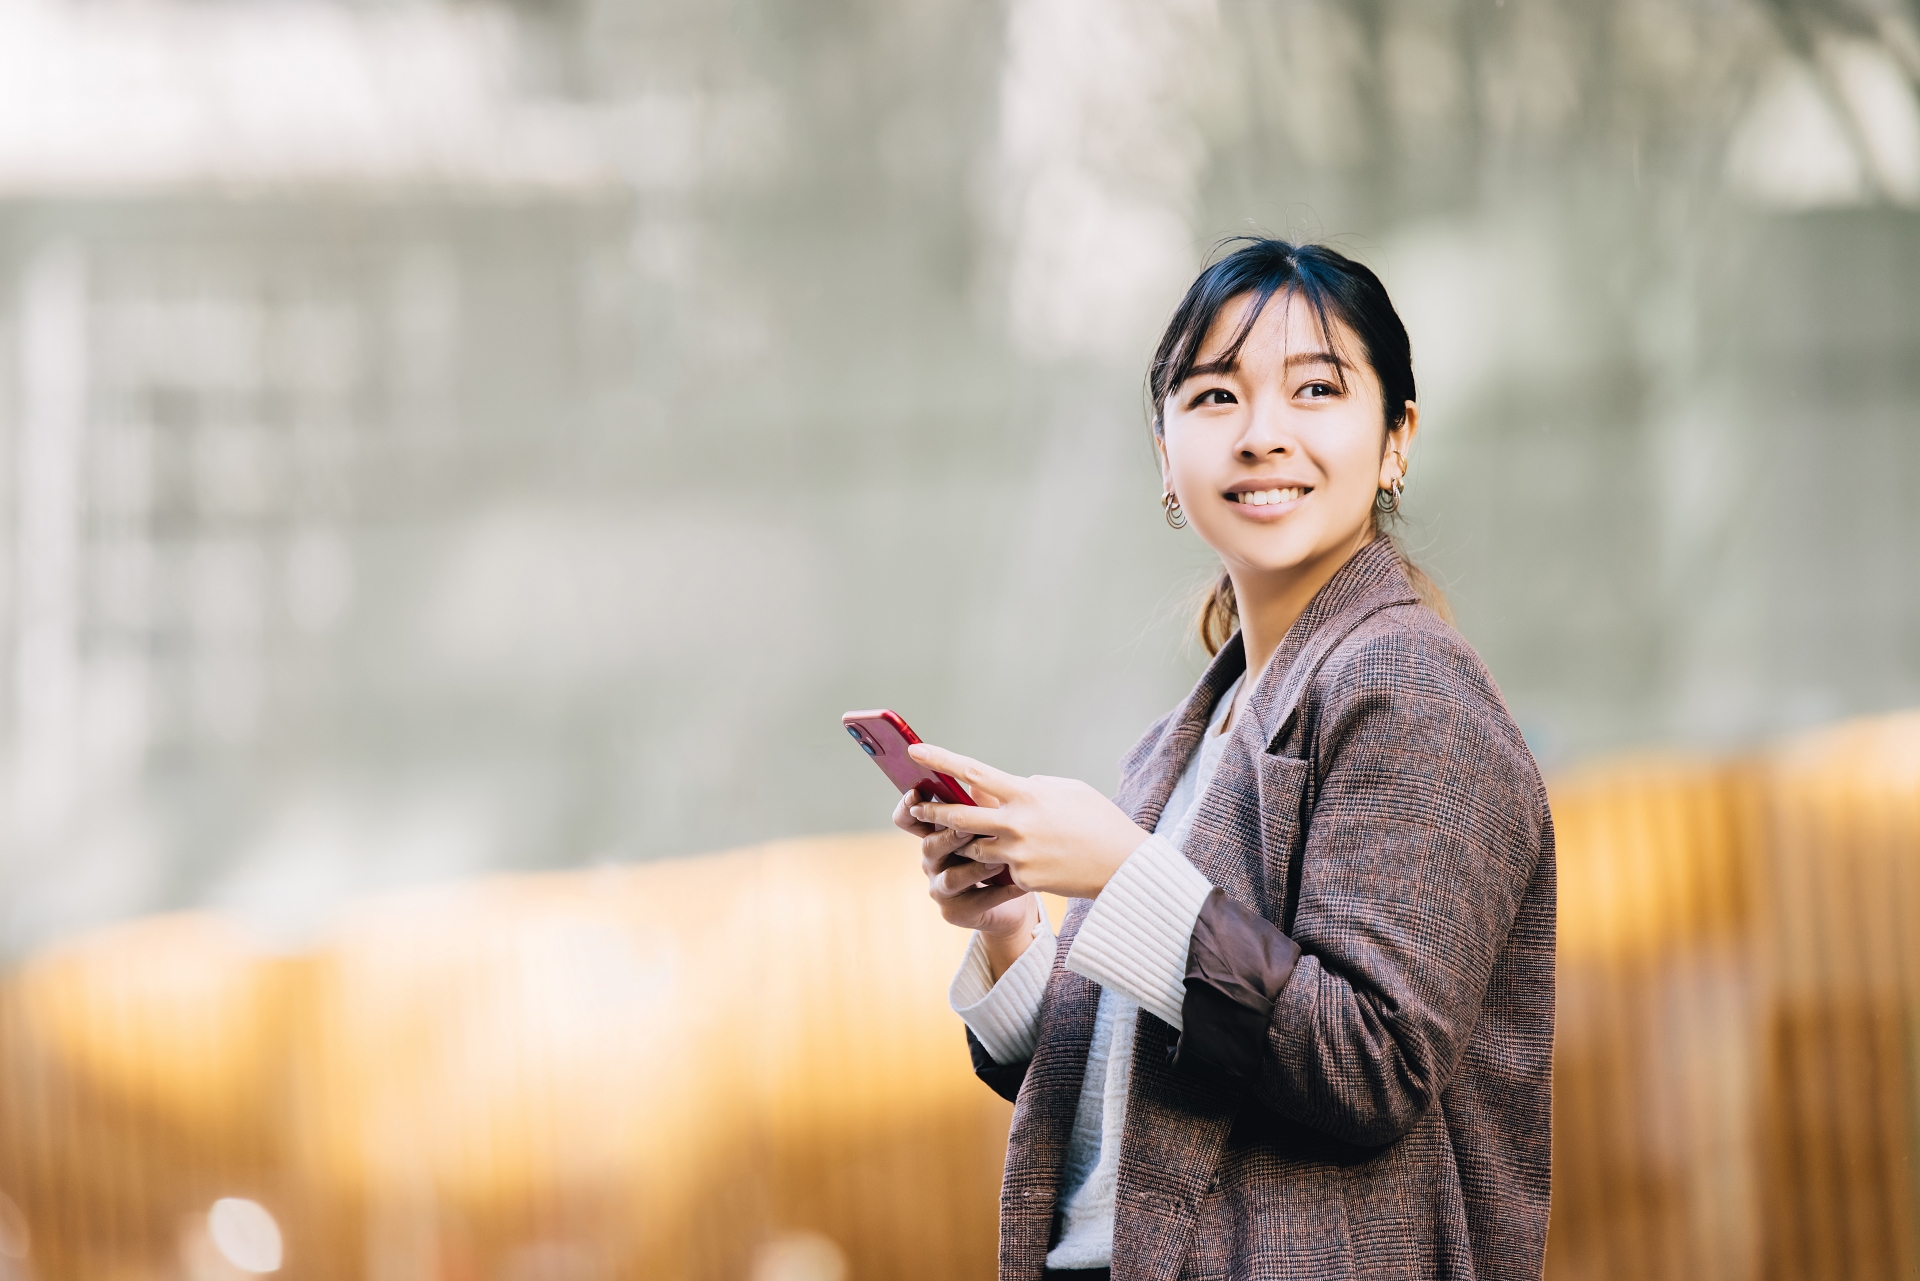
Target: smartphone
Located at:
point(885, 737)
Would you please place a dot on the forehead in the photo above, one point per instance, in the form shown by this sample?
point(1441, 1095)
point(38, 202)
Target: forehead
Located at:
point(1288, 325)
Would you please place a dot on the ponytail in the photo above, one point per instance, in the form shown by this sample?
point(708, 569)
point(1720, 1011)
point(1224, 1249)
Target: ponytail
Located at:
point(1219, 615)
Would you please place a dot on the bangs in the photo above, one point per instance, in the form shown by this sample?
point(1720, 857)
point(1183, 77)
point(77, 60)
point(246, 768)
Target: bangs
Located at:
point(1259, 270)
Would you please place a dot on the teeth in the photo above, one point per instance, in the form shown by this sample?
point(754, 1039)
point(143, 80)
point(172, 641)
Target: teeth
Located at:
point(1269, 497)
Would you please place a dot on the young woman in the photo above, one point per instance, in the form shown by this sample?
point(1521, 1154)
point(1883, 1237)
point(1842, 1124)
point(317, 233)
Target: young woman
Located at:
point(1298, 1021)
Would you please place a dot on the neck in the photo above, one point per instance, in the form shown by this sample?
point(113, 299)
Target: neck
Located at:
point(1271, 601)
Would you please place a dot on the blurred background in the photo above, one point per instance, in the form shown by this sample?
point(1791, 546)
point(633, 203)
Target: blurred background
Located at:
point(457, 461)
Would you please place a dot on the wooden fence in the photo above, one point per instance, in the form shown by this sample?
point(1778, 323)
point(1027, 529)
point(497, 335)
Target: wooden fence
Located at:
point(742, 1066)
point(1737, 1088)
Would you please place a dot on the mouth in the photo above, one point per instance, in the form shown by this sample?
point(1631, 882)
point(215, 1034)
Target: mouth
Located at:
point(1280, 496)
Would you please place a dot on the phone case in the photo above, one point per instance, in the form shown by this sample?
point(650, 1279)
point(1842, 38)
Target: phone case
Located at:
point(885, 737)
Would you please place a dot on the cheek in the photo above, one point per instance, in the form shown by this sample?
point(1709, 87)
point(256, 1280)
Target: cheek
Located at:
point(1186, 466)
point(1351, 462)
point(1188, 478)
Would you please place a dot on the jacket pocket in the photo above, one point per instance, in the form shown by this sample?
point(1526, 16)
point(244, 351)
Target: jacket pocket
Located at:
point(1282, 781)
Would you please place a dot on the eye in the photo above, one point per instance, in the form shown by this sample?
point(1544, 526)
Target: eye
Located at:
point(1318, 389)
point(1213, 396)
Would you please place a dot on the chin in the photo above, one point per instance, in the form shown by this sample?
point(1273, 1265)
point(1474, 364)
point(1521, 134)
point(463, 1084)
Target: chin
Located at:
point(1284, 553)
point(1273, 560)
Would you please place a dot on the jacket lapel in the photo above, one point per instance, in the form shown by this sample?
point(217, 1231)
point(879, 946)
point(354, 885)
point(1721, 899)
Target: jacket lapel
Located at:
point(1373, 580)
point(1145, 788)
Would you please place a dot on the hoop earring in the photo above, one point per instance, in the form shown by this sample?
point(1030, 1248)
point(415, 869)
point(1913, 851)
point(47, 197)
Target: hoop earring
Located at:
point(1386, 500)
point(1170, 508)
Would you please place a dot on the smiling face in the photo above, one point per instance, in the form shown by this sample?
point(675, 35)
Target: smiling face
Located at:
point(1276, 453)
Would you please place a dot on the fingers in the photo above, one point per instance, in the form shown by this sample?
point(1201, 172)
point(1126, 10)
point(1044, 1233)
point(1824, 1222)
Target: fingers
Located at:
point(952, 882)
point(903, 817)
point(993, 896)
point(977, 820)
point(975, 774)
point(962, 879)
point(941, 845)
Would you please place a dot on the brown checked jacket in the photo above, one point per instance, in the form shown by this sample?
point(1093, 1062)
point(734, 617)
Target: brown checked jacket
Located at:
point(1362, 1086)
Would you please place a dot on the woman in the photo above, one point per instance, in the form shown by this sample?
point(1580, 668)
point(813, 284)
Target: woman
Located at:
point(1298, 1021)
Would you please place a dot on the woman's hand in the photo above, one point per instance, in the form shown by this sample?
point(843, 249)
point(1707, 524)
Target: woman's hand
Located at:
point(1004, 914)
point(1054, 834)
point(950, 860)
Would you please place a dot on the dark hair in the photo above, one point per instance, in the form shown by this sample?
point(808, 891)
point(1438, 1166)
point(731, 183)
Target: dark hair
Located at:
point(1340, 291)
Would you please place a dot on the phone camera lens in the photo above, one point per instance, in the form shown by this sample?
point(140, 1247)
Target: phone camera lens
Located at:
point(866, 742)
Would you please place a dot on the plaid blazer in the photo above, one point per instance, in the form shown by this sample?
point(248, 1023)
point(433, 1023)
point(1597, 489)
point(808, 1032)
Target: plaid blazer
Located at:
point(1377, 806)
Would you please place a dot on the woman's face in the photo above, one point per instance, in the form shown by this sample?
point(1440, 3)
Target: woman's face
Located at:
point(1275, 465)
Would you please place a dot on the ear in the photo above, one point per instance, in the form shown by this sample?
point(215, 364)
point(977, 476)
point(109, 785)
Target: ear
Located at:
point(1160, 453)
point(1393, 459)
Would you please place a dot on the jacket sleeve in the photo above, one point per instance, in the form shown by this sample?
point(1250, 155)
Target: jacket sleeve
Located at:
point(1004, 1079)
point(1003, 1016)
point(1426, 829)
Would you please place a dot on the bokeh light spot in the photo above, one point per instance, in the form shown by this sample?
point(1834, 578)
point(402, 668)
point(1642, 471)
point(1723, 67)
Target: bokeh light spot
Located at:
point(245, 1234)
point(800, 1256)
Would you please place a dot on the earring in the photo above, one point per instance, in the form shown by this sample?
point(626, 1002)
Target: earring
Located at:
point(1170, 508)
point(1386, 500)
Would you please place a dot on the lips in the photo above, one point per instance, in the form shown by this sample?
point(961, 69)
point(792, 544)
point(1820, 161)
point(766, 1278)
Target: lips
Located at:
point(1268, 497)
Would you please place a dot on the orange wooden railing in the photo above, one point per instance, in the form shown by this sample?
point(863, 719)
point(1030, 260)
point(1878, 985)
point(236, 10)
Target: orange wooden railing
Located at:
point(1737, 1086)
point(742, 1066)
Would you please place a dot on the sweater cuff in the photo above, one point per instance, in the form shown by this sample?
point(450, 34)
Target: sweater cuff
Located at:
point(1240, 961)
point(1005, 1016)
point(1136, 938)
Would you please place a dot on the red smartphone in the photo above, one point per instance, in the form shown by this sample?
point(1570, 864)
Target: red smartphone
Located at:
point(885, 737)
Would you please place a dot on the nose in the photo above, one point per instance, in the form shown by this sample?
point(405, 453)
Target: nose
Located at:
point(1266, 433)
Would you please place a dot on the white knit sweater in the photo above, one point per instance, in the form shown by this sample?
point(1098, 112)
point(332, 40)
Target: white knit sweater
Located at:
point(1134, 945)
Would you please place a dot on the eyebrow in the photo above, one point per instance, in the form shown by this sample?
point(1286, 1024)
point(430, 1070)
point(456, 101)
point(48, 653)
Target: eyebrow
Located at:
point(1232, 364)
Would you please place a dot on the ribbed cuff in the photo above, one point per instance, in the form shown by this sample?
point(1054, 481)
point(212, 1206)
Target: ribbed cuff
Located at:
point(1136, 938)
point(1005, 1016)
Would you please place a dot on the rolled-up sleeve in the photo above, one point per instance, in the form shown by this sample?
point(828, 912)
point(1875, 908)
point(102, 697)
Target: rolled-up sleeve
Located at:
point(1137, 936)
point(1235, 969)
point(1004, 1017)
